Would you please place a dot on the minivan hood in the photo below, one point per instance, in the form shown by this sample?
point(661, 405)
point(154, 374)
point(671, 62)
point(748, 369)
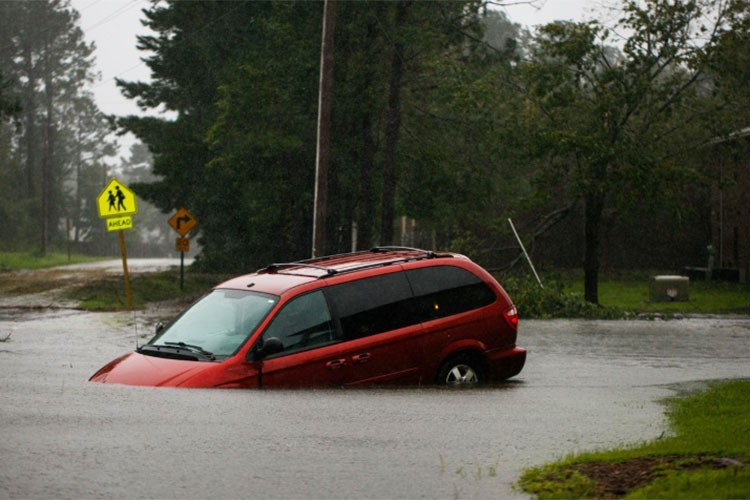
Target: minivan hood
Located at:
point(139, 369)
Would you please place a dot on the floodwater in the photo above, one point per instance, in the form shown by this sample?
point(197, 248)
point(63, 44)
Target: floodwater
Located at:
point(587, 385)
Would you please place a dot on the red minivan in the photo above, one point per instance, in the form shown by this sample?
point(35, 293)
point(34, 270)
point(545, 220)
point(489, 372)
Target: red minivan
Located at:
point(390, 315)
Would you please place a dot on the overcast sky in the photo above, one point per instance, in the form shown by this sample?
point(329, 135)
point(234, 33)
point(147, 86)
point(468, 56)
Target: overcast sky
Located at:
point(114, 24)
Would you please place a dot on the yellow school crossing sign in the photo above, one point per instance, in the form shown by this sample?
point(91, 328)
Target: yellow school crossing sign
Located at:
point(116, 200)
point(116, 203)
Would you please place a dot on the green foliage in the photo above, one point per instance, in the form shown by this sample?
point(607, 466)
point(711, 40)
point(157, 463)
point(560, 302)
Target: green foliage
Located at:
point(56, 139)
point(619, 125)
point(555, 300)
point(623, 295)
point(556, 483)
point(730, 483)
point(465, 167)
point(456, 116)
point(712, 421)
point(243, 80)
point(8, 105)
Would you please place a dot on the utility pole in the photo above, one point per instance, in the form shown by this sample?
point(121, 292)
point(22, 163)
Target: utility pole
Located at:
point(320, 208)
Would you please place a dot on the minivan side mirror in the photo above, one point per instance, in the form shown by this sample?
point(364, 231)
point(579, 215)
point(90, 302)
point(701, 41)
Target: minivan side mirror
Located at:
point(268, 347)
point(159, 327)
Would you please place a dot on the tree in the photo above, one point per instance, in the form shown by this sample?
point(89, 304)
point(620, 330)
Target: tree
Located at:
point(8, 105)
point(730, 72)
point(381, 85)
point(242, 80)
point(615, 121)
point(47, 66)
point(465, 165)
point(197, 48)
point(89, 148)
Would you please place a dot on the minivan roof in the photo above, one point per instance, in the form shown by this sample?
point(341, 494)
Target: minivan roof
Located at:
point(280, 277)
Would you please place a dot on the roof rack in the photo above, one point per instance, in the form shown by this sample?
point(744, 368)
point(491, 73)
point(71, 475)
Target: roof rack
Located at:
point(328, 271)
point(279, 265)
point(428, 253)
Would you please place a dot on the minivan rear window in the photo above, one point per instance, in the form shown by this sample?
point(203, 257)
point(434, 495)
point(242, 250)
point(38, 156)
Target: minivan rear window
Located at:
point(442, 291)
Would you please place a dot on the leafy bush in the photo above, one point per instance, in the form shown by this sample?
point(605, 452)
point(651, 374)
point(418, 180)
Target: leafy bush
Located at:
point(552, 301)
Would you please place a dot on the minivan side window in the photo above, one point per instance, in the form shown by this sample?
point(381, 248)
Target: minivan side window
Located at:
point(304, 322)
point(442, 291)
point(373, 305)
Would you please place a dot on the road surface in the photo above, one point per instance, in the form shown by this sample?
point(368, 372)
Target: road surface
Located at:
point(587, 385)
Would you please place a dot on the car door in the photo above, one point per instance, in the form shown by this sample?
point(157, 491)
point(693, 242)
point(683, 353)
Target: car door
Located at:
point(312, 354)
point(382, 337)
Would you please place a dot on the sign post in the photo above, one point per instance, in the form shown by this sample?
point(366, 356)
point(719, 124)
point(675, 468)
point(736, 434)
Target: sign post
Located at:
point(116, 205)
point(182, 222)
point(124, 253)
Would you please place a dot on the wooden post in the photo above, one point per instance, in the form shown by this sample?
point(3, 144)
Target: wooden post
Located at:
point(67, 236)
point(320, 204)
point(124, 253)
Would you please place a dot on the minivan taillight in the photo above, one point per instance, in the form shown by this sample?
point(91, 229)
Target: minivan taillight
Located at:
point(511, 317)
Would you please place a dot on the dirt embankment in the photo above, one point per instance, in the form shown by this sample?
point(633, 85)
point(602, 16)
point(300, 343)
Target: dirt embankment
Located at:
point(49, 288)
point(43, 288)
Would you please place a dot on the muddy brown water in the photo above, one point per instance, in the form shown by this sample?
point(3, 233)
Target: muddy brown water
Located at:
point(587, 385)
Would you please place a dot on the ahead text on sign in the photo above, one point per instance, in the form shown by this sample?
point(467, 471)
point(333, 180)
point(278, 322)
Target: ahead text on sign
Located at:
point(119, 223)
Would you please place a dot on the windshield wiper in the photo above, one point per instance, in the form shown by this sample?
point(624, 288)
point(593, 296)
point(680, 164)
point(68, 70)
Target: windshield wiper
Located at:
point(169, 351)
point(194, 348)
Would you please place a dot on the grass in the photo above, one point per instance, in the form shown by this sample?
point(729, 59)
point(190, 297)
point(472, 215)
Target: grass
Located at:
point(621, 295)
point(13, 261)
point(108, 293)
point(707, 457)
point(630, 292)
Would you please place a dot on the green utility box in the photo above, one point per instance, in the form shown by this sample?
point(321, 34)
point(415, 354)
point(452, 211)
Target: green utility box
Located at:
point(670, 289)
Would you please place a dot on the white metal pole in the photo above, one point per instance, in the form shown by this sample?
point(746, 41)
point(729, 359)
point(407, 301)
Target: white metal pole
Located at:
point(528, 259)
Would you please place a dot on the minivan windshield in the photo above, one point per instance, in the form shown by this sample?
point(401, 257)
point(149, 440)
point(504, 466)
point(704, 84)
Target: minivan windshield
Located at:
point(219, 323)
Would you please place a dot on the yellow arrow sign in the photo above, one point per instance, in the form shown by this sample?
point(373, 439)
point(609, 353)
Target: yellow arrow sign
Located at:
point(116, 200)
point(183, 221)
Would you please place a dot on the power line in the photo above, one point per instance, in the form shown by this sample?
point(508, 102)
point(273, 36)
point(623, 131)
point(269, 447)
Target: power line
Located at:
point(111, 16)
point(197, 32)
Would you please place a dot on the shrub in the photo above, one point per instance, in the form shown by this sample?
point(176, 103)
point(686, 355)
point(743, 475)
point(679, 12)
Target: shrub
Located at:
point(552, 301)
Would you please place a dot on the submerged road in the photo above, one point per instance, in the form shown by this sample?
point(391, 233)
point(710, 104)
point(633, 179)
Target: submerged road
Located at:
point(587, 385)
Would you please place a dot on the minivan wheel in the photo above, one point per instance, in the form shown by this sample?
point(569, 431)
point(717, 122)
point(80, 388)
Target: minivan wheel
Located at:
point(461, 371)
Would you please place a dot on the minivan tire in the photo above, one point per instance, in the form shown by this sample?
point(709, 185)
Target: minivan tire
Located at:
point(462, 370)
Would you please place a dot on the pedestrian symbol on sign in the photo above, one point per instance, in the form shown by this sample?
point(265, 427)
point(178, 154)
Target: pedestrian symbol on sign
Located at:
point(120, 199)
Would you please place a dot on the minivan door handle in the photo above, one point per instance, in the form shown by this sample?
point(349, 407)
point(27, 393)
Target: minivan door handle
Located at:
point(361, 358)
point(336, 364)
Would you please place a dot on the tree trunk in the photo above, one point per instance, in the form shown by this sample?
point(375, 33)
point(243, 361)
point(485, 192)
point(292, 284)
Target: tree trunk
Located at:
point(393, 127)
point(47, 220)
point(29, 110)
point(594, 206)
point(366, 208)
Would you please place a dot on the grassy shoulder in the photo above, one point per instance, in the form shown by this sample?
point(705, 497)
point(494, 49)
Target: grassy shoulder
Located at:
point(621, 295)
point(630, 292)
point(107, 293)
point(14, 261)
point(707, 457)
